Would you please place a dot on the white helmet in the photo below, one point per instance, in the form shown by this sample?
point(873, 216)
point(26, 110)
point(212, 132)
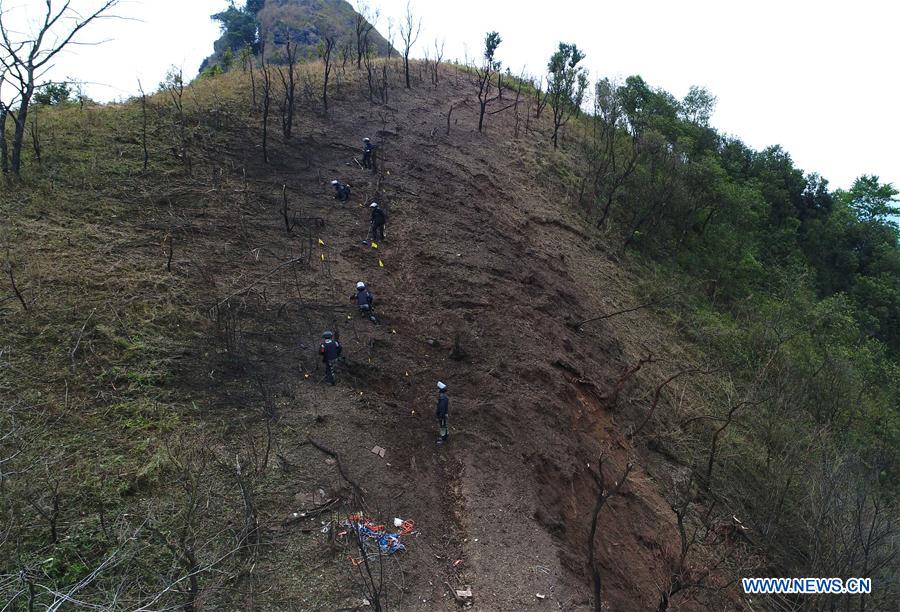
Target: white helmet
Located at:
point(373, 205)
point(441, 386)
point(334, 182)
point(365, 140)
point(360, 285)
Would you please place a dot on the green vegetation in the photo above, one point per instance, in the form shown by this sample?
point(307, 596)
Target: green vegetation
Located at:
point(792, 289)
point(51, 94)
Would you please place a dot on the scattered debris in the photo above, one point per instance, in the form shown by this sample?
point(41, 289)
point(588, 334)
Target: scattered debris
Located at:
point(371, 532)
point(377, 450)
point(540, 596)
point(294, 517)
point(462, 596)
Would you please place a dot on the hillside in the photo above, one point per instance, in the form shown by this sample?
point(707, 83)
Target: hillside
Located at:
point(164, 400)
point(269, 24)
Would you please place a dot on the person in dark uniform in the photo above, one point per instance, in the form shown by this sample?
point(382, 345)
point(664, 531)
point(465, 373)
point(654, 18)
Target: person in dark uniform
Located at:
point(379, 218)
point(368, 154)
point(443, 407)
point(341, 190)
point(364, 301)
point(330, 350)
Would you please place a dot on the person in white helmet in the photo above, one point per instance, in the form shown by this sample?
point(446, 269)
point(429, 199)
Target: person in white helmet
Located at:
point(443, 408)
point(341, 190)
point(368, 154)
point(364, 301)
point(379, 218)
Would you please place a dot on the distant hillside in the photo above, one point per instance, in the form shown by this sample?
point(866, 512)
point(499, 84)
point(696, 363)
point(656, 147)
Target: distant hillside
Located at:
point(305, 22)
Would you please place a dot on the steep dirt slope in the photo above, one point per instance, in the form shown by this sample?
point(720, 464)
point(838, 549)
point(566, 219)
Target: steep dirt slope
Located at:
point(212, 310)
point(480, 246)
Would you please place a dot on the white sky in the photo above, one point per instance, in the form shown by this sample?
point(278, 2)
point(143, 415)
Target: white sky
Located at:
point(818, 77)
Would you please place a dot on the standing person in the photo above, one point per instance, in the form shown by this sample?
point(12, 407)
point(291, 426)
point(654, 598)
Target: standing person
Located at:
point(379, 218)
point(364, 301)
point(443, 407)
point(341, 190)
point(330, 350)
point(368, 149)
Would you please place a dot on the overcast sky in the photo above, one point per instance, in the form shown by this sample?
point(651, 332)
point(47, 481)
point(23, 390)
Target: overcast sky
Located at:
point(818, 77)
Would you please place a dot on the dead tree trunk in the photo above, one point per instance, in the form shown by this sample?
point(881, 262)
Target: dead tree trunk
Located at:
point(144, 124)
point(602, 496)
point(267, 102)
point(330, 42)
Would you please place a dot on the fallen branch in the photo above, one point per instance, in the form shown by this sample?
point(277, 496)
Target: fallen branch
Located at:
point(580, 324)
point(12, 279)
point(626, 376)
point(78, 341)
point(658, 393)
point(357, 490)
point(259, 280)
point(313, 512)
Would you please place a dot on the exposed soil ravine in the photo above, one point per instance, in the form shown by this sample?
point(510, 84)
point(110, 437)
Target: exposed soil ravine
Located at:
point(477, 247)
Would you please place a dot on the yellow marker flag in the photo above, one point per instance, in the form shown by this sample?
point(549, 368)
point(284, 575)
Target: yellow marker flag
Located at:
point(323, 256)
point(320, 242)
point(374, 245)
point(380, 263)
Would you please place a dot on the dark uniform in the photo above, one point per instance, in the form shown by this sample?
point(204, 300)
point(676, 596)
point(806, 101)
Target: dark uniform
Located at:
point(341, 191)
point(368, 155)
point(330, 350)
point(443, 406)
point(364, 301)
point(379, 218)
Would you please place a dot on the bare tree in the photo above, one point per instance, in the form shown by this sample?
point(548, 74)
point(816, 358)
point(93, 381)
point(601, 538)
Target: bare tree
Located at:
point(247, 61)
point(369, 60)
point(327, 48)
point(35, 137)
point(27, 58)
point(409, 34)
point(144, 124)
point(266, 106)
point(365, 20)
point(289, 86)
point(438, 56)
point(5, 108)
point(603, 494)
point(346, 51)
